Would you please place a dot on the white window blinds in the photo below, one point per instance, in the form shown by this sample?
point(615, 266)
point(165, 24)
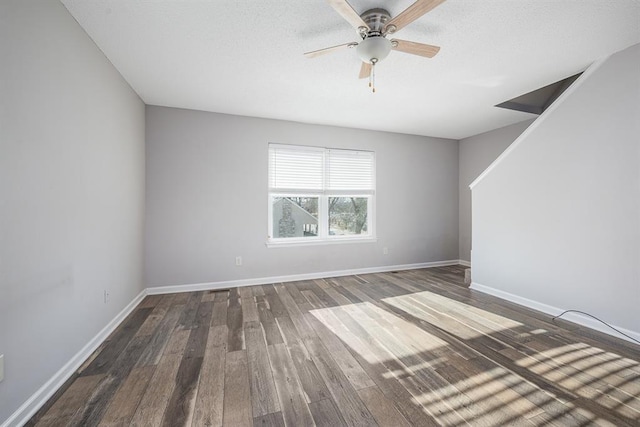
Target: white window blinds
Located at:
point(295, 168)
point(348, 170)
point(317, 170)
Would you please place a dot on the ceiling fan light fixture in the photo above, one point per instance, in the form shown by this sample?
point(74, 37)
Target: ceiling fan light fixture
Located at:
point(373, 49)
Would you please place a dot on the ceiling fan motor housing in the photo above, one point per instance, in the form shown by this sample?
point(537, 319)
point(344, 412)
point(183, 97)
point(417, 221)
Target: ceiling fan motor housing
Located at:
point(374, 47)
point(376, 19)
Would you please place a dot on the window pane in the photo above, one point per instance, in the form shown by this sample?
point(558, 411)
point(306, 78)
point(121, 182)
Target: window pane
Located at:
point(348, 216)
point(295, 216)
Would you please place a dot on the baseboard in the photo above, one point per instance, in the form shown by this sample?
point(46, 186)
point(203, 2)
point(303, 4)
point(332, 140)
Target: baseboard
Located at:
point(40, 397)
point(154, 290)
point(464, 263)
point(554, 311)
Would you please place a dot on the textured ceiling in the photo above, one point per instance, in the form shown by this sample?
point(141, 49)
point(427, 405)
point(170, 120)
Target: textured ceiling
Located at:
point(245, 57)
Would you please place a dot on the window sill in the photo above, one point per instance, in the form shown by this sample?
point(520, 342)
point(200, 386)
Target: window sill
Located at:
point(319, 242)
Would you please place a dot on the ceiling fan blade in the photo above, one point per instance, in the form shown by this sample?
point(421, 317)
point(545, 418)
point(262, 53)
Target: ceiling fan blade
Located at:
point(365, 70)
point(320, 52)
point(410, 14)
point(347, 12)
point(414, 48)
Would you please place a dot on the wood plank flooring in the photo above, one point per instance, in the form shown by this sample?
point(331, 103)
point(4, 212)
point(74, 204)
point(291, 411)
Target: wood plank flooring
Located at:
point(390, 349)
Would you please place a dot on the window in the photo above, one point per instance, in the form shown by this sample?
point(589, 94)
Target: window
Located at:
point(320, 194)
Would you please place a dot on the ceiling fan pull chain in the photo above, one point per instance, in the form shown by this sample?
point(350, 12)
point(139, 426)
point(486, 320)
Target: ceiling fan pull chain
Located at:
point(373, 78)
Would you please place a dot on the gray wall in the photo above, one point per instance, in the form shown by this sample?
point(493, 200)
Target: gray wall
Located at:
point(557, 221)
point(207, 199)
point(71, 194)
point(476, 154)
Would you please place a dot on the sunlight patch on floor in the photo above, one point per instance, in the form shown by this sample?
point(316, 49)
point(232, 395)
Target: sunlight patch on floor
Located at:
point(591, 373)
point(463, 320)
point(539, 331)
point(498, 385)
point(395, 338)
point(454, 390)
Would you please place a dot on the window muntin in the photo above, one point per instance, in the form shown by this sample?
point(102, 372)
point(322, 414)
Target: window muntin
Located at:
point(320, 195)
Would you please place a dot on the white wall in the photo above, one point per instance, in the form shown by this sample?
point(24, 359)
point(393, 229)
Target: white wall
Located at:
point(71, 194)
point(476, 154)
point(557, 221)
point(207, 199)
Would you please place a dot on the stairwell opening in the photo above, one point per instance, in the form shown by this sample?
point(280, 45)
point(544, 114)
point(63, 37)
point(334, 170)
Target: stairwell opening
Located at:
point(536, 101)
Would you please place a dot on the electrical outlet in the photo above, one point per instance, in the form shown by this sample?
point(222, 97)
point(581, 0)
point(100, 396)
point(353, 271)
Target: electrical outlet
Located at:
point(238, 260)
point(385, 250)
point(106, 296)
point(1, 367)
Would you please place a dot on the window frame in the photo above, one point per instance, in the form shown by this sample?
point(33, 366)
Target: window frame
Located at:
point(323, 196)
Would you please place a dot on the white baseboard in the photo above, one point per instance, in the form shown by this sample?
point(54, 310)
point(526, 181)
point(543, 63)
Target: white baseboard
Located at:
point(40, 397)
point(554, 311)
point(464, 263)
point(154, 290)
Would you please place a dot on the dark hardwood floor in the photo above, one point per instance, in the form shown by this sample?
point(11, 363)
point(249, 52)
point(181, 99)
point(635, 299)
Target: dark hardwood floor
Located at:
point(393, 349)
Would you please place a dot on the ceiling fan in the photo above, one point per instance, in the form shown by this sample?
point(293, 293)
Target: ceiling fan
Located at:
point(373, 26)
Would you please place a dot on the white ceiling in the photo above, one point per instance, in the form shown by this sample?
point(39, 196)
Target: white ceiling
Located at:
point(245, 57)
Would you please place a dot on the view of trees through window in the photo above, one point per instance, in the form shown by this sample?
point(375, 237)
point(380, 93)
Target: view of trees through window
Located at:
point(347, 215)
point(295, 216)
point(309, 204)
